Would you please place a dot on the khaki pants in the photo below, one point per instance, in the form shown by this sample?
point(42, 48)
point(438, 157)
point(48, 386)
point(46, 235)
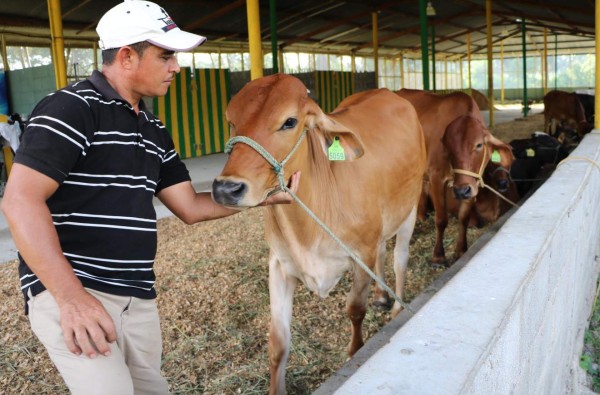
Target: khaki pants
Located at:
point(134, 364)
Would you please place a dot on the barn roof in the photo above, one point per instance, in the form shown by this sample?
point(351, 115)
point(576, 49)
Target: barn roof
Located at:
point(342, 26)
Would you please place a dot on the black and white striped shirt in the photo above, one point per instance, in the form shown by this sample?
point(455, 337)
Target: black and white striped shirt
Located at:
point(109, 163)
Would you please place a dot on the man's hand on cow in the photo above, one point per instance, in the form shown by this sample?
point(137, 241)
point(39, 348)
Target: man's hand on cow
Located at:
point(284, 197)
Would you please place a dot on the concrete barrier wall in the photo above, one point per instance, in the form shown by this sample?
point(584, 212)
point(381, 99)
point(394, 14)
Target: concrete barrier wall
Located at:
point(512, 319)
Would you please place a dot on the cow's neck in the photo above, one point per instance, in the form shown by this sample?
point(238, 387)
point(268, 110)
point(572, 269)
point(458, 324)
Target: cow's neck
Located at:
point(318, 191)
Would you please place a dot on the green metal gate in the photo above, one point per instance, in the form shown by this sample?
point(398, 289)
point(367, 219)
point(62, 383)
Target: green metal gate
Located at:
point(332, 87)
point(193, 110)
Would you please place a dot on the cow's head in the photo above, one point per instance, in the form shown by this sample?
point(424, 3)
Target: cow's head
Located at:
point(470, 148)
point(275, 112)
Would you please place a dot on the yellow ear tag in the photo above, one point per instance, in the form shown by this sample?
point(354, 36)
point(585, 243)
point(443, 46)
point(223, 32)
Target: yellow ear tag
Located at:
point(496, 156)
point(336, 151)
point(530, 152)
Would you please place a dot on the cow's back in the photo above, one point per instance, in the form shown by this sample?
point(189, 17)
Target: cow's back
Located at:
point(436, 112)
point(387, 124)
point(381, 187)
point(391, 133)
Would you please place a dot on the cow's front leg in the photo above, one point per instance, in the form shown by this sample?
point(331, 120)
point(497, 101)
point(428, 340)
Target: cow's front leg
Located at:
point(356, 303)
point(281, 293)
point(401, 255)
point(438, 198)
point(464, 215)
point(381, 298)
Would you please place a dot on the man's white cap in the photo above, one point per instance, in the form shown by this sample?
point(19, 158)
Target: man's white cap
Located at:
point(134, 21)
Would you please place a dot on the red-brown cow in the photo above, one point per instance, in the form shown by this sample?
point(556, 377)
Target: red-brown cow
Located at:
point(366, 199)
point(564, 110)
point(488, 206)
point(470, 147)
point(436, 112)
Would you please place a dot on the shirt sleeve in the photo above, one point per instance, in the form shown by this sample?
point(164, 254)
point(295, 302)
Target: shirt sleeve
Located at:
point(57, 135)
point(173, 170)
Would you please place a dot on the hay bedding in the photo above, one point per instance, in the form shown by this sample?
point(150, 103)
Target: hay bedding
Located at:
point(214, 304)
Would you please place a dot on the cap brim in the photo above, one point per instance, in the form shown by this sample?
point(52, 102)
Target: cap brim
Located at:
point(177, 40)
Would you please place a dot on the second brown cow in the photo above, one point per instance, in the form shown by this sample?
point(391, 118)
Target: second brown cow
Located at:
point(436, 112)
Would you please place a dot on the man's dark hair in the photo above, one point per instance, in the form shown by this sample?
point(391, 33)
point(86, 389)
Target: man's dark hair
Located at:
point(108, 55)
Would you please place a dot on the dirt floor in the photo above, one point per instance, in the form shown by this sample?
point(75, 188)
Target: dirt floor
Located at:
point(214, 304)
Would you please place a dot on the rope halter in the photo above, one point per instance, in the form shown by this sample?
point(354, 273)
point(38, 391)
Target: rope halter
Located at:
point(477, 176)
point(277, 166)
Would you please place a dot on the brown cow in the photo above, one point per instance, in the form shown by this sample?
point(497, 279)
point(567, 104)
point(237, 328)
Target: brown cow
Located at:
point(564, 110)
point(436, 112)
point(365, 200)
point(488, 206)
point(470, 148)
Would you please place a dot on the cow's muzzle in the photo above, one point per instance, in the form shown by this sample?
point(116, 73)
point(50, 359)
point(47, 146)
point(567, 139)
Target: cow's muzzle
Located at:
point(463, 192)
point(228, 193)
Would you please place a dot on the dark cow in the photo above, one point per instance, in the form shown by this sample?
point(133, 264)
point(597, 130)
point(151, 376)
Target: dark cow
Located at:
point(535, 158)
point(589, 106)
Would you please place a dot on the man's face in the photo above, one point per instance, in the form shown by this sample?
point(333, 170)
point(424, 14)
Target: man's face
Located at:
point(155, 70)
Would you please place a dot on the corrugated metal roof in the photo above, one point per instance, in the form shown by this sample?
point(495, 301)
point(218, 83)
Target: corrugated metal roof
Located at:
point(335, 25)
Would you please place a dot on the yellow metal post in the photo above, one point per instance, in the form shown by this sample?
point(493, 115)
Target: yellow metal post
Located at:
point(4, 56)
point(375, 48)
point(597, 83)
point(256, 60)
point(488, 20)
point(469, 59)
point(281, 60)
point(95, 49)
point(545, 63)
point(502, 71)
point(401, 71)
point(353, 59)
point(461, 72)
point(58, 47)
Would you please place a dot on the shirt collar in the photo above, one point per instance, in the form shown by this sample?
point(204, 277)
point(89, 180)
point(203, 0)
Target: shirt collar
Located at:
point(101, 84)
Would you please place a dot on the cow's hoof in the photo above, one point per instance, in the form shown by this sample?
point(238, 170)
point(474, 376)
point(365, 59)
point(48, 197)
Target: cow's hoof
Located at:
point(440, 263)
point(382, 303)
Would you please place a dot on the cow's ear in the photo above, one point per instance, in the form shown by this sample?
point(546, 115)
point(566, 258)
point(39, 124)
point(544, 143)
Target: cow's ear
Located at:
point(502, 149)
point(337, 140)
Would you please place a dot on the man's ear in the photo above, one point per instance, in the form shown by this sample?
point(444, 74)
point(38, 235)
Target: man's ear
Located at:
point(125, 57)
point(338, 141)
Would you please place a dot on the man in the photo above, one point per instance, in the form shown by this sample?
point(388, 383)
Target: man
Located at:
point(79, 206)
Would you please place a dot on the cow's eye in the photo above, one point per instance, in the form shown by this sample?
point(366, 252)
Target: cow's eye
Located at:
point(479, 146)
point(289, 123)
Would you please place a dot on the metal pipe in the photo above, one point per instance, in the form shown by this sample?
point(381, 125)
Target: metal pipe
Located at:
point(95, 49)
point(375, 47)
point(502, 71)
point(488, 20)
point(545, 63)
point(469, 60)
point(273, 13)
point(523, 34)
point(256, 59)
point(58, 49)
point(433, 55)
point(4, 55)
point(555, 61)
point(597, 82)
point(424, 40)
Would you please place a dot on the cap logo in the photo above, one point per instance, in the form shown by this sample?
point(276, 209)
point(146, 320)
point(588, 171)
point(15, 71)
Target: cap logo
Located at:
point(169, 24)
